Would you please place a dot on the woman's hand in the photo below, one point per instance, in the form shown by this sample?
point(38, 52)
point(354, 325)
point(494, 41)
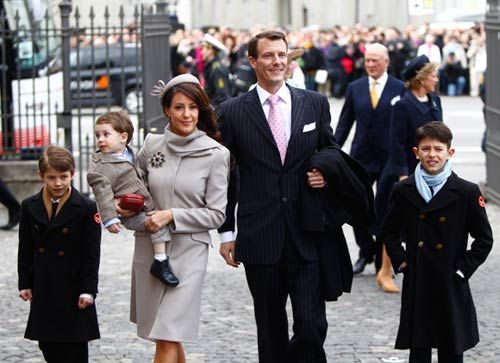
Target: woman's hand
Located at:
point(123, 212)
point(158, 219)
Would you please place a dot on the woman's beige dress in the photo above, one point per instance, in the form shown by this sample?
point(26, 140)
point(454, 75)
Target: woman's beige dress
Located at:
point(188, 175)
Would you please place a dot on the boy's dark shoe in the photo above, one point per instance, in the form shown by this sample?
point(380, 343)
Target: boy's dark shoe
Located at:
point(162, 271)
point(14, 218)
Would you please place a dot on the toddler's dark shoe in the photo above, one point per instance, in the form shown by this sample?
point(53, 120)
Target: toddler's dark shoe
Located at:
point(162, 271)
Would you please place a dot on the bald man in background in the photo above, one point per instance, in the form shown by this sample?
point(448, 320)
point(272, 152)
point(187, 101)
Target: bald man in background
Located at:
point(368, 102)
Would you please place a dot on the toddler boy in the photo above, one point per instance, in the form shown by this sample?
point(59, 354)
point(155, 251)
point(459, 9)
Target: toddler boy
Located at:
point(112, 174)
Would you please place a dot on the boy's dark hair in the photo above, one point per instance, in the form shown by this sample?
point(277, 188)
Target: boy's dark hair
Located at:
point(270, 35)
point(436, 130)
point(119, 121)
point(58, 158)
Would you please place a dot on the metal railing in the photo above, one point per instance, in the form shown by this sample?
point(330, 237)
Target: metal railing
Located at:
point(105, 73)
point(28, 99)
point(55, 81)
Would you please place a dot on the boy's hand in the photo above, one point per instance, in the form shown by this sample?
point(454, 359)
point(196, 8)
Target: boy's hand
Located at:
point(83, 302)
point(25, 294)
point(123, 212)
point(114, 228)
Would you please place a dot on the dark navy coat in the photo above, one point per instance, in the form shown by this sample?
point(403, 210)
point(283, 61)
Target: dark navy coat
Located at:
point(371, 140)
point(437, 310)
point(59, 260)
point(407, 116)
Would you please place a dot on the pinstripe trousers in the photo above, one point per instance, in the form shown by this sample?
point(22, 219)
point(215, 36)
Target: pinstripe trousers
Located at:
point(270, 286)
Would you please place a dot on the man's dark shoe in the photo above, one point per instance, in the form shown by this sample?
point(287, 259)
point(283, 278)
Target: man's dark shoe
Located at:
point(162, 271)
point(14, 218)
point(360, 265)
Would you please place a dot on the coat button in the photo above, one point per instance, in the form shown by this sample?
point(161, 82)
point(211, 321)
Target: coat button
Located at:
point(284, 199)
point(439, 246)
point(420, 244)
point(442, 219)
point(60, 253)
point(422, 216)
point(41, 250)
point(65, 230)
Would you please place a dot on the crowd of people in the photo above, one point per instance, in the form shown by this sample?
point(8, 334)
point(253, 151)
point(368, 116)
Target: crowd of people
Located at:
point(461, 54)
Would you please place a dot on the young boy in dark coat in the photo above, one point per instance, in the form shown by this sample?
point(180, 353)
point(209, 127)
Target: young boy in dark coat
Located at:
point(58, 262)
point(434, 212)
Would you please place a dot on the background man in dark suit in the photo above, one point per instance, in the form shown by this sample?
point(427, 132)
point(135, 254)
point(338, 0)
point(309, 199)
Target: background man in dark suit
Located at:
point(10, 202)
point(272, 131)
point(369, 102)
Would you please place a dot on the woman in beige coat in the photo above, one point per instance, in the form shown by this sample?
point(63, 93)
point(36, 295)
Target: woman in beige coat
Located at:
point(187, 172)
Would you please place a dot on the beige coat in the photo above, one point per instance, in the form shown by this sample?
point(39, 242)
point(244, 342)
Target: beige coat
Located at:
point(111, 176)
point(188, 175)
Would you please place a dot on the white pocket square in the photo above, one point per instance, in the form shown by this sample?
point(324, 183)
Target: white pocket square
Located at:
point(394, 100)
point(309, 127)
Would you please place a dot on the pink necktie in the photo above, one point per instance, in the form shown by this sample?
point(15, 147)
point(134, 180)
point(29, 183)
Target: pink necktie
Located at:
point(277, 125)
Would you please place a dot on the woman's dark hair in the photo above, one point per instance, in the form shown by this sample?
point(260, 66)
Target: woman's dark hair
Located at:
point(207, 120)
point(270, 35)
point(435, 130)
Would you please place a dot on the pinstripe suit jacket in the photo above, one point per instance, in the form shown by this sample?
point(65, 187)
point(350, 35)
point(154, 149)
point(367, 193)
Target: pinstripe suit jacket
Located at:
point(268, 198)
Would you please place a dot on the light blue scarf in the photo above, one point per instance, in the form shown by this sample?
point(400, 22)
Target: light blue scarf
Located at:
point(424, 181)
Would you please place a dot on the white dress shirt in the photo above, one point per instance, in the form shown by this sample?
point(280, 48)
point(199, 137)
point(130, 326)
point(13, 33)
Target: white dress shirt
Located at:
point(285, 105)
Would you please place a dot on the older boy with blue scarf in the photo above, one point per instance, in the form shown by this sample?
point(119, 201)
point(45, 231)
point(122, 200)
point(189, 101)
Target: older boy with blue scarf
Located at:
point(434, 212)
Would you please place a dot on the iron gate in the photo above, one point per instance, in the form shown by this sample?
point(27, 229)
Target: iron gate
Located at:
point(55, 81)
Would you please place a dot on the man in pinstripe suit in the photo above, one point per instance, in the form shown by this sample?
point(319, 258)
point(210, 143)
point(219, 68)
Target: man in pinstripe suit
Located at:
point(280, 260)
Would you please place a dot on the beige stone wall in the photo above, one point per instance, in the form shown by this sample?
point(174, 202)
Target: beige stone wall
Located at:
point(21, 177)
point(323, 13)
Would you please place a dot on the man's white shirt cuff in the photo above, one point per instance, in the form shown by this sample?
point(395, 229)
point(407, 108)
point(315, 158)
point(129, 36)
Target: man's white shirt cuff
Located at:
point(88, 296)
point(229, 236)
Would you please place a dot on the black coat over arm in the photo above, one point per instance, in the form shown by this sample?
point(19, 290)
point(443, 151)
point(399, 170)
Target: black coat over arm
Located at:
point(348, 198)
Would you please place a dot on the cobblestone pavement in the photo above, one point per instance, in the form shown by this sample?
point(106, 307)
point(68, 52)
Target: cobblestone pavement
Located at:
point(363, 324)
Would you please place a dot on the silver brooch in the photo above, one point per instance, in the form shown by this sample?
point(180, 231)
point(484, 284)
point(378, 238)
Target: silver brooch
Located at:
point(157, 160)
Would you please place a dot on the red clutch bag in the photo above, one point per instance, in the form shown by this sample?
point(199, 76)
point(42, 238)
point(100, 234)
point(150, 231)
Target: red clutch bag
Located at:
point(133, 202)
